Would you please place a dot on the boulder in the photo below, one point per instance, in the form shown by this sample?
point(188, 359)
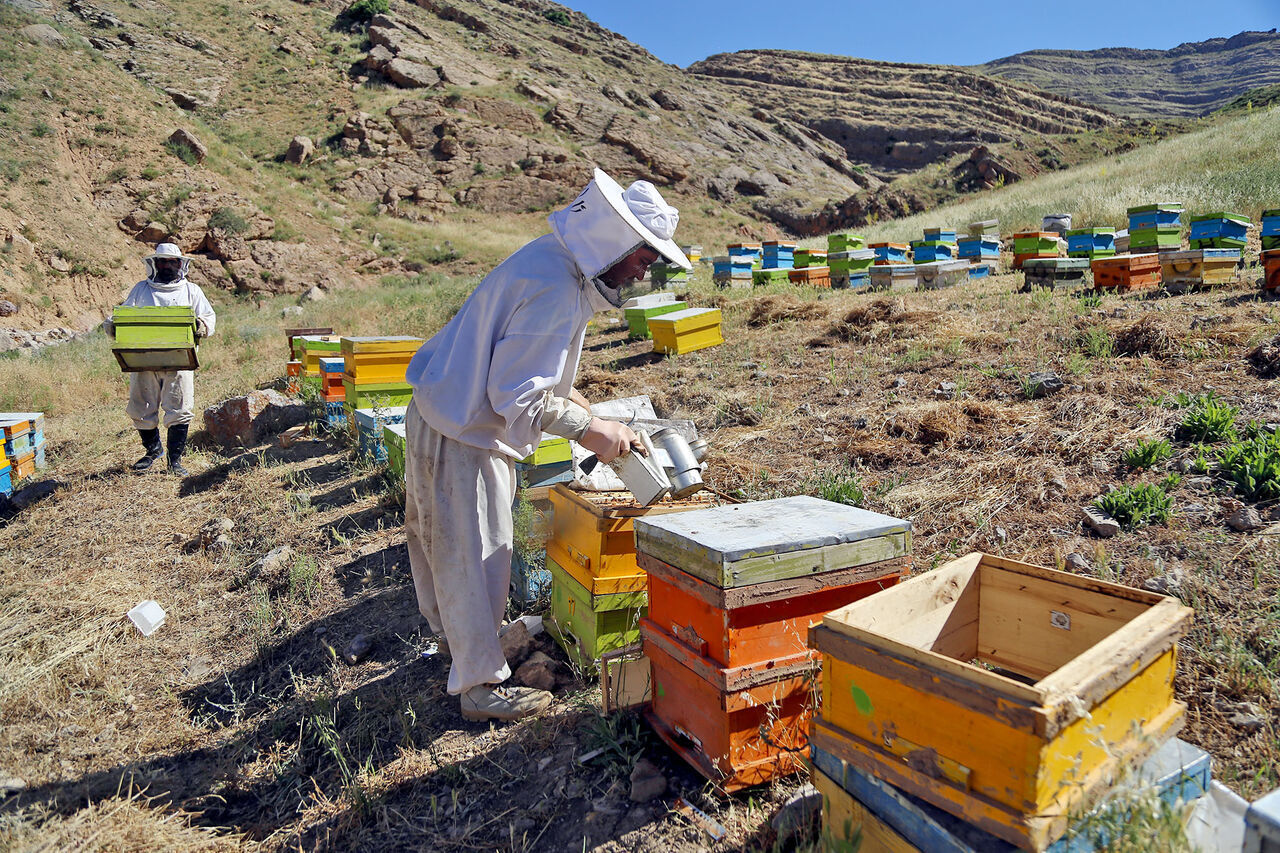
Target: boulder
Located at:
point(7, 308)
point(378, 57)
point(410, 75)
point(43, 34)
point(539, 672)
point(20, 247)
point(187, 139)
point(251, 418)
point(516, 643)
point(300, 150)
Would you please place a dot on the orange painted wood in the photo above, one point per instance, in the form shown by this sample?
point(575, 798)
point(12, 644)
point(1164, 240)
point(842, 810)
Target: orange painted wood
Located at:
point(735, 737)
point(1271, 264)
point(1127, 272)
point(1019, 260)
point(812, 276)
point(760, 622)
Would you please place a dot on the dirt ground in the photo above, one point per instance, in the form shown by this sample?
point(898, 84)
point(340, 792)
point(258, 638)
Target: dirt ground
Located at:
point(238, 725)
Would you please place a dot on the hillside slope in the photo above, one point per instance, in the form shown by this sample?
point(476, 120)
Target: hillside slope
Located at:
point(1191, 79)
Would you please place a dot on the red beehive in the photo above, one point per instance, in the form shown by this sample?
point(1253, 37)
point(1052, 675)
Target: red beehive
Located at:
point(1271, 265)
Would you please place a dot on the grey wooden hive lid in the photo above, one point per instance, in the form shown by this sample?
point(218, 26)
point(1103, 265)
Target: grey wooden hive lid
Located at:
point(738, 531)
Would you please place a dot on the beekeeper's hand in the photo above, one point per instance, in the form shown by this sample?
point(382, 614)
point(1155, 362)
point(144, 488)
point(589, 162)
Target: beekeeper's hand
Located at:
point(609, 439)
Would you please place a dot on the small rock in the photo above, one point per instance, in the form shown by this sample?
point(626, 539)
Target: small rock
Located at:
point(187, 139)
point(300, 150)
point(946, 391)
point(517, 643)
point(357, 650)
point(43, 34)
point(220, 544)
point(214, 528)
point(1001, 533)
point(31, 495)
point(1042, 383)
point(1247, 721)
point(315, 294)
point(20, 246)
point(291, 311)
point(898, 382)
point(1244, 519)
point(60, 263)
point(11, 785)
point(647, 782)
point(1077, 563)
point(7, 308)
point(539, 672)
point(1101, 523)
point(798, 813)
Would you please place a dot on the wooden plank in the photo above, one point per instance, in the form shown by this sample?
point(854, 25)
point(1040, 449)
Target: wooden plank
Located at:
point(1033, 625)
point(844, 818)
point(938, 612)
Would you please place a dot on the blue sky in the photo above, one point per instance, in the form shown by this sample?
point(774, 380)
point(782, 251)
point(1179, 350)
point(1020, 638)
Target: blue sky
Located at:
point(951, 33)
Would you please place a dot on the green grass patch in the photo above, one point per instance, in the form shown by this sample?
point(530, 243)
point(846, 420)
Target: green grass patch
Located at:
point(1209, 419)
point(1253, 466)
point(1134, 506)
point(1147, 453)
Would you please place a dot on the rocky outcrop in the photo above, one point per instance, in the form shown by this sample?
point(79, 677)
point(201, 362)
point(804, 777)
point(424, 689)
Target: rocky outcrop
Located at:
point(245, 421)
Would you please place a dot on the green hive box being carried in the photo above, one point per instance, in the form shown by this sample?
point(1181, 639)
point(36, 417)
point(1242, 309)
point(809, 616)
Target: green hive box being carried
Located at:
point(155, 338)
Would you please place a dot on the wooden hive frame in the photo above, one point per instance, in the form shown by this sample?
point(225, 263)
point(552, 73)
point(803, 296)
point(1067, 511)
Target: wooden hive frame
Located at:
point(1005, 693)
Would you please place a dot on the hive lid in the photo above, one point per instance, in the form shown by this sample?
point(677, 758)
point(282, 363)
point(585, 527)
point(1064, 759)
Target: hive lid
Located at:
point(735, 532)
point(1234, 217)
point(686, 314)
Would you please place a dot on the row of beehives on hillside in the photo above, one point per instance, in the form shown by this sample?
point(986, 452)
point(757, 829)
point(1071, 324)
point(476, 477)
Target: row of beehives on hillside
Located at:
point(984, 703)
point(22, 451)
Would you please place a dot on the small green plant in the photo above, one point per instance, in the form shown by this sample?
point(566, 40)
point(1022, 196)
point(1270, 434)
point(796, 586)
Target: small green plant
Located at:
point(1097, 342)
point(842, 487)
point(1253, 465)
point(119, 173)
point(150, 173)
point(183, 152)
point(1147, 453)
point(41, 128)
point(364, 10)
point(1134, 506)
point(1089, 302)
point(1209, 419)
point(559, 17)
point(304, 579)
point(226, 219)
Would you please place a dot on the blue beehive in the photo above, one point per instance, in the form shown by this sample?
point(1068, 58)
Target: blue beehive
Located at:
point(332, 365)
point(986, 246)
point(928, 251)
point(335, 415)
point(779, 255)
point(943, 235)
point(1271, 223)
point(979, 271)
point(6, 482)
point(890, 253)
point(1162, 215)
point(1091, 242)
point(369, 429)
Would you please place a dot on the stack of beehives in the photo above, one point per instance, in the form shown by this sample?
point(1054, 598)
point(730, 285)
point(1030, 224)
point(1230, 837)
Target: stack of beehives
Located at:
point(1034, 245)
point(686, 330)
point(1091, 243)
point(981, 248)
point(1155, 227)
point(778, 255)
point(370, 427)
point(732, 591)
point(598, 591)
point(23, 448)
point(374, 371)
point(297, 354)
point(990, 701)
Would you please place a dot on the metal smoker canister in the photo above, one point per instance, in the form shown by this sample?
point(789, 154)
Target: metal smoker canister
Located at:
point(685, 472)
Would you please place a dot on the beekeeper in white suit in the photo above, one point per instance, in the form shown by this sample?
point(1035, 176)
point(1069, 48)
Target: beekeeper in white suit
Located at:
point(172, 391)
point(485, 388)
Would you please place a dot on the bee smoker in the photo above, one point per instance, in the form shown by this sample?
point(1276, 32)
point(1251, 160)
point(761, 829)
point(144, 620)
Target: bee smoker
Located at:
point(683, 462)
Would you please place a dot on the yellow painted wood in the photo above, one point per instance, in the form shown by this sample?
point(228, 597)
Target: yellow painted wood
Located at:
point(376, 367)
point(577, 566)
point(382, 344)
point(669, 341)
point(1013, 758)
point(844, 818)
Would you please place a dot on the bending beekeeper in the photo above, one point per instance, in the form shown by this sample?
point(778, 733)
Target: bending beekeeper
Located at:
point(485, 388)
point(173, 391)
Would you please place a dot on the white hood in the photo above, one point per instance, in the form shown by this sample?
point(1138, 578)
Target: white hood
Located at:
point(603, 225)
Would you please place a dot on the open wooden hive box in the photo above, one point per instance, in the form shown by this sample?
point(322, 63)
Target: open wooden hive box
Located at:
point(1007, 694)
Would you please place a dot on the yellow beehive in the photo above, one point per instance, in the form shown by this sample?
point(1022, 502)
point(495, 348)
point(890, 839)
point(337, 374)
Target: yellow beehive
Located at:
point(316, 347)
point(375, 360)
point(686, 331)
point(1006, 694)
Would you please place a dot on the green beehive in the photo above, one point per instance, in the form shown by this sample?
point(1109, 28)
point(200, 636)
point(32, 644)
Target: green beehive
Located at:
point(773, 275)
point(587, 625)
point(845, 242)
point(638, 318)
point(155, 338)
point(1156, 238)
point(378, 394)
point(393, 438)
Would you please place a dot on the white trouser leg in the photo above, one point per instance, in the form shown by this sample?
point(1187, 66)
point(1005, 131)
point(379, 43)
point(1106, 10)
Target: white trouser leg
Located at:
point(458, 526)
point(177, 397)
point(144, 398)
point(153, 390)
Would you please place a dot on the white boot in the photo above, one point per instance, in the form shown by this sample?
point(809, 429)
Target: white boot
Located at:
point(498, 702)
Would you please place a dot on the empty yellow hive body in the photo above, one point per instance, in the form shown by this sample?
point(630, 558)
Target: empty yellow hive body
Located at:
point(903, 699)
point(686, 331)
point(375, 360)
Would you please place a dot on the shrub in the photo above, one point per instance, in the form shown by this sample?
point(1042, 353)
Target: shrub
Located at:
point(1209, 419)
point(226, 219)
point(1253, 466)
point(1147, 453)
point(185, 153)
point(363, 10)
point(1134, 506)
point(558, 17)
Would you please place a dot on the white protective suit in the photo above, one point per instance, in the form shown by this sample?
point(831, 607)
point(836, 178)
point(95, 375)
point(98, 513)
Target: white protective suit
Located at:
point(485, 388)
point(172, 391)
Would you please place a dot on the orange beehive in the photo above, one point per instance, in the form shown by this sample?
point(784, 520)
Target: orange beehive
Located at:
point(738, 727)
point(1127, 272)
point(763, 622)
point(732, 592)
point(811, 276)
point(1271, 266)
